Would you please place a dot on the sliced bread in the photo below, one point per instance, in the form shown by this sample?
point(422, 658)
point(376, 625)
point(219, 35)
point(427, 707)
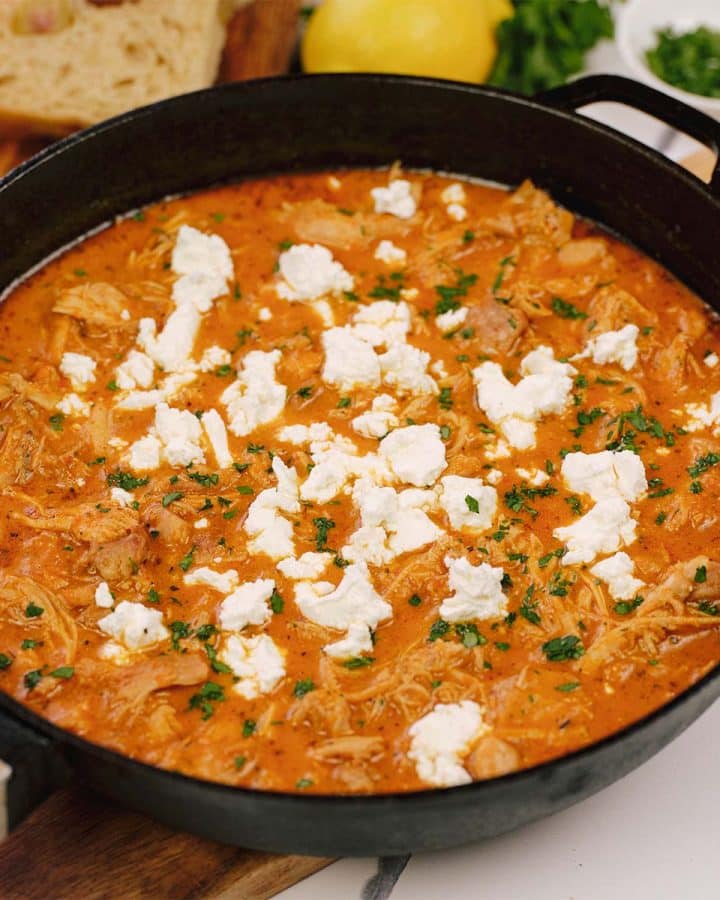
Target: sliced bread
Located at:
point(65, 64)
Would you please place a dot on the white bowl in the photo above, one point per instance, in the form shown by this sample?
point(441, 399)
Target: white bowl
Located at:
point(637, 24)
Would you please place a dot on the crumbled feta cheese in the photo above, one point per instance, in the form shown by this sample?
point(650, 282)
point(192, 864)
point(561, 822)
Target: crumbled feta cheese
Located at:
point(703, 415)
point(452, 319)
point(388, 253)
point(469, 504)
point(138, 370)
point(438, 369)
point(350, 362)
point(201, 523)
point(172, 348)
point(80, 369)
point(544, 388)
point(179, 432)
point(494, 477)
point(247, 605)
point(144, 454)
point(221, 581)
point(477, 593)
point(607, 527)
point(392, 523)
point(256, 661)
point(334, 183)
point(415, 454)
point(404, 368)
point(382, 322)
point(73, 405)
point(353, 602)
point(454, 193)
point(534, 477)
point(613, 347)
point(121, 497)
point(711, 360)
point(306, 568)
point(309, 272)
point(214, 428)
point(441, 739)
point(103, 596)
point(265, 314)
point(357, 641)
point(198, 252)
point(395, 199)
point(134, 625)
point(304, 434)
point(255, 397)
point(456, 211)
point(125, 315)
point(377, 421)
point(270, 532)
point(616, 572)
point(409, 294)
point(213, 358)
point(605, 475)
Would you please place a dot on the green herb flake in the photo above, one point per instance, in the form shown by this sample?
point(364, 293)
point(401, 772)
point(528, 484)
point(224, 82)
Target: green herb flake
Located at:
point(209, 693)
point(172, 497)
point(33, 611)
point(566, 310)
point(302, 687)
point(562, 649)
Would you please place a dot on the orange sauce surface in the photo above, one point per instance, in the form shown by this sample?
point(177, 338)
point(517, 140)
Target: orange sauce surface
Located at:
point(530, 275)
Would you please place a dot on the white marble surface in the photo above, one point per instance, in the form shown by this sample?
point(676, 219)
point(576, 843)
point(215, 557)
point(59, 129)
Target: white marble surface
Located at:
point(651, 836)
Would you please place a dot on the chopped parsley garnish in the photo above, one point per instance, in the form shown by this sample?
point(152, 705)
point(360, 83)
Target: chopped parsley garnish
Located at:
point(255, 448)
point(187, 560)
point(414, 600)
point(322, 527)
point(700, 575)
point(126, 480)
point(445, 432)
point(304, 783)
point(502, 645)
point(63, 672)
point(528, 607)
point(5, 661)
point(216, 664)
point(32, 679)
point(153, 596)
point(344, 402)
point(562, 649)
point(179, 631)
point(567, 687)
point(249, 728)
point(468, 236)
point(469, 635)
point(558, 586)
point(703, 463)
point(205, 479)
point(112, 385)
point(566, 310)
point(585, 418)
point(205, 632)
point(304, 686)
point(240, 761)
point(500, 277)
point(438, 629)
point(575, 504)
point(245, 489)
point(445, 398)
point(224, 370)
point(29, 644)
point(305, 392)
point(385, 291)
point(472, 504)
point(708, 608)
point(277, 604)
point(172, 497)
point(518, 496)
point(545, 560)
point(449, 294)
point(56, 421)
point(660, 518)
point(359, 662)
point(33, 611)
point(625, 607)
point(241, 467)
point(209, 693)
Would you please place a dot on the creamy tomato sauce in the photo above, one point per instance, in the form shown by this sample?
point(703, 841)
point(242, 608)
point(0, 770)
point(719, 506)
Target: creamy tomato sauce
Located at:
point(360, 482)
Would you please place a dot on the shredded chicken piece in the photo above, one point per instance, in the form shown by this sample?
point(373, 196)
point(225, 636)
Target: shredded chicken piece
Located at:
point(55, 625)
point(96, 302)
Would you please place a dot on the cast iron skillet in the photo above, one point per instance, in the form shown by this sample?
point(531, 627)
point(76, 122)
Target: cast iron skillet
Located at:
point(296, 124)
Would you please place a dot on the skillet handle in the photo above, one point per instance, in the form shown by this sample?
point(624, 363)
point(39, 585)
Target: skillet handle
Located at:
point(31, 768)
point(614, 88)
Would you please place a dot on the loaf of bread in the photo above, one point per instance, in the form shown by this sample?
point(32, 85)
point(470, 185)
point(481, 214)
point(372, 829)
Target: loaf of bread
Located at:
point(66, 64)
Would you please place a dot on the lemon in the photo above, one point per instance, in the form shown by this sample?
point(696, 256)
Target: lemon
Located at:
point(439, 38)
